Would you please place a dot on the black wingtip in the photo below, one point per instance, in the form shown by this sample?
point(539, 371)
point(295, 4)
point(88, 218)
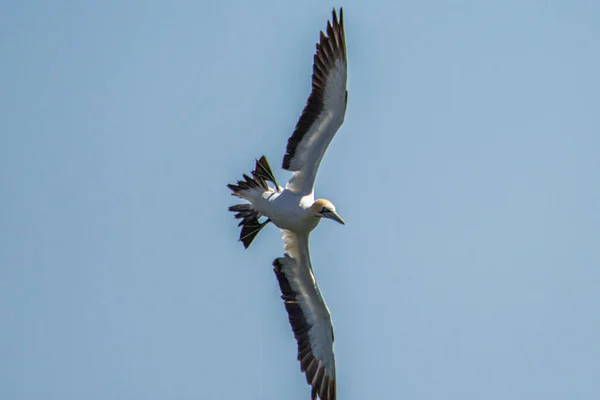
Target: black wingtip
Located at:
point(334, 17)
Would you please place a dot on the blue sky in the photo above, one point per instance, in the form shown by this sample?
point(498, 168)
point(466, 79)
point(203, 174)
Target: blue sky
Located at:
point(467, 171)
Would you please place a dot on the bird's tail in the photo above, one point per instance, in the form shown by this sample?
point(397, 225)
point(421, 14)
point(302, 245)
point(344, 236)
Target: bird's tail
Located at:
point(249, 222)
point(252, 189)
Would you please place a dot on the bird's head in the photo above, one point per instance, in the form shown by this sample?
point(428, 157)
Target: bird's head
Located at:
point(322, 208)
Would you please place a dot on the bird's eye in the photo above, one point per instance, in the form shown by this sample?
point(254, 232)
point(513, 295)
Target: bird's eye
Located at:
point(324, 210)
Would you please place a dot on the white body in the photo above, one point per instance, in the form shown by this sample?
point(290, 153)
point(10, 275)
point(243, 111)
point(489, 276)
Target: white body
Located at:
point(287, 210)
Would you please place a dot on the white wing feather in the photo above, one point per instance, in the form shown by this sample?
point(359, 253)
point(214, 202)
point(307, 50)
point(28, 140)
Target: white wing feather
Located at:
point(308, 314)
point(324, 112)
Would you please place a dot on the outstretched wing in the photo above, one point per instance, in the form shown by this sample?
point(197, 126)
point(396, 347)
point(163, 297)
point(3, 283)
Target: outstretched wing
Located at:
point(324, 111)
point(308, 315)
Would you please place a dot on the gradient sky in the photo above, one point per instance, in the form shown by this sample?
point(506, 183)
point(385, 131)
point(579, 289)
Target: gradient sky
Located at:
point(467, 169)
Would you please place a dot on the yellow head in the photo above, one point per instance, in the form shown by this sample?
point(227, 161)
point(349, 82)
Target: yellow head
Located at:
point(322, 208)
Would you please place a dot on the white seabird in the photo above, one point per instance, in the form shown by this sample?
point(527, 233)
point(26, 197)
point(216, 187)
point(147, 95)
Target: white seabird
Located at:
point(295, 211)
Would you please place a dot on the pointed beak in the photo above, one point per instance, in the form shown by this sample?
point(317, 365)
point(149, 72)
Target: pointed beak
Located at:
point(335, 216)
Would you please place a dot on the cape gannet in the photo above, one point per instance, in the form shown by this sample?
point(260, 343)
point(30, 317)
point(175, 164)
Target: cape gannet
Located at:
point(295, 211)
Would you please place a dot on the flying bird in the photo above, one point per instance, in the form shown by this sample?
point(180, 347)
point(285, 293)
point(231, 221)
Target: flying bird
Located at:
point(295, 211)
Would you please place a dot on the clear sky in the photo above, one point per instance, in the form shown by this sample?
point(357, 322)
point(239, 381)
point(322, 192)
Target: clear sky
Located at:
point(467, 170)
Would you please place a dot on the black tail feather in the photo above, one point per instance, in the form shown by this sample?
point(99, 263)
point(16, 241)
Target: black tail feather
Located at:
point(263, 170)
point(245, 213)
point(247, 183)
point(260, 176)
point(250, 229)
point(249, 217)
point(249, 222)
